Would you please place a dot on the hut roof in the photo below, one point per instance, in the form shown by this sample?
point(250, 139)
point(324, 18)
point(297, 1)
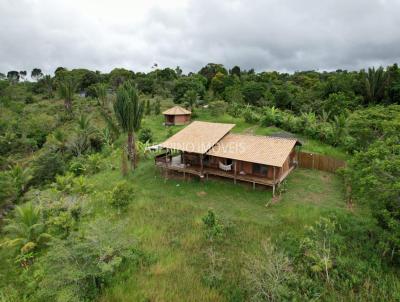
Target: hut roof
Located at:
point(176, 110)
point(266, 150)
point(197, 137)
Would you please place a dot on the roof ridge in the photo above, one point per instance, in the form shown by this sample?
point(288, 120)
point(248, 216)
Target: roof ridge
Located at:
point(265, 136)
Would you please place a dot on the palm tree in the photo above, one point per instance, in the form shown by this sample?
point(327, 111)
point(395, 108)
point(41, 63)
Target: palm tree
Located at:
point(21, 177)
point(67, 89)
point(101, 92)
point(25, 231)
point(129, 113)
point(339, 128)
point(375, 84)
point(83, 133)
point(59, 140)
point(48, 84)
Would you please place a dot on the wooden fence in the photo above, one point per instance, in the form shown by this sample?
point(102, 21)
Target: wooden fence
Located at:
point(319, 162)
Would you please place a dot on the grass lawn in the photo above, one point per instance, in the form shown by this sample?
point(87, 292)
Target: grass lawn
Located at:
point(166, 215)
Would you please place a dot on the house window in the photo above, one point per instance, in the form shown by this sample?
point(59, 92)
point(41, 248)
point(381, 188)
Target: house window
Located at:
point(260, 169)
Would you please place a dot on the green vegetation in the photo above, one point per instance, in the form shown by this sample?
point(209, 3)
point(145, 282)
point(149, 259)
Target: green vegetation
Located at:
point(74, 228)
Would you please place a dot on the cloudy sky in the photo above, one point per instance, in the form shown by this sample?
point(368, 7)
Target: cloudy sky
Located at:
point(285, 35)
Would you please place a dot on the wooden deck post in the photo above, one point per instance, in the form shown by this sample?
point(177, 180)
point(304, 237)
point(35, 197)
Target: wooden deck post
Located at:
point(184, 165)
point(201, 165)
point(166, 164)
point(254, 185)
point(234, 177)
point(273, 187)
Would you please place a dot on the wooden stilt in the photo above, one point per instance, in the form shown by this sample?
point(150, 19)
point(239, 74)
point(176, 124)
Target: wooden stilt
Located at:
point(184, 165)
point(234, 177)
point(201, 164)
point(273, 187)
point(254, 185)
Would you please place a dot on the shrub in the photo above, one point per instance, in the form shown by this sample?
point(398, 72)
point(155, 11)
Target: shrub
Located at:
point(235, 110)
point(250, 116)
point(80, 185)
point(146, 135)
point(218, 108)
point(64, 182)
point(212, 276)
point(94, 163)
point(121, 195)
point(214, 229)
point(157, 107)
point(8, 190)
point(29, 99)
point(46, 167)
point(76, 269)
point(268, 275)
point(77, 166)
point(317, 249)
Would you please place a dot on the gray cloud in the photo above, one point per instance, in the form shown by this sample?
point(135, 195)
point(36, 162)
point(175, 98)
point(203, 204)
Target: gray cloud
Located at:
point(284, 35)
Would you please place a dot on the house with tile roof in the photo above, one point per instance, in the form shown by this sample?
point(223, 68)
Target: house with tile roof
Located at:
point(210, 149)
point(177, 116)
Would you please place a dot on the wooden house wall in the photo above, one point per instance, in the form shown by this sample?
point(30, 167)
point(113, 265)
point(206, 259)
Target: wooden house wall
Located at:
point(182, 119)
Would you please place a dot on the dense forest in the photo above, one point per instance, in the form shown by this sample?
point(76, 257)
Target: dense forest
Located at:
point(64, 136)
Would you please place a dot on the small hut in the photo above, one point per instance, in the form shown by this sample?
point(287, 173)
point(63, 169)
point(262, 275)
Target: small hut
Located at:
point(177, 116)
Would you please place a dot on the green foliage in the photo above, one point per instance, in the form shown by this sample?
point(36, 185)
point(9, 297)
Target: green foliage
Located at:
point(147, 108)
point(233, 94)
point(77, 165)
point(184, 84)
point(8, 190)
point(213, 275)
point(374, 175)
point(121, 195)
point(94, 163)
point(253, 92)
point(157, 107)
point(46, 166)
point(211, 70)
point(317, 250)
point(25, 231)
point(64, 183)
point(21, 177)
point(190, 97)
point(214, 229)
point(128, 109)
point(367, 125)
point(269, 275)
point(218, 108)
point(129, 113)
point(78, 268)
point(119, 75)
point(146, 135)
point(67, 89)
point(250, 116)
point(375, 82)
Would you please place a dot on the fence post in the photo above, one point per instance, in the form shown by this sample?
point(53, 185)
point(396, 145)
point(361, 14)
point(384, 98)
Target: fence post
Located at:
point(312, 156)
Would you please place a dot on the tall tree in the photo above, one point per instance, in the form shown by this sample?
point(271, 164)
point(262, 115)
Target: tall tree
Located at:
point(375, 84)
point(22, 74)
point(235, 71)
point(36, 73)
point(67, 89)
point(48, 84)
point(129, 113)
point(101, 93)
point(13, 76)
